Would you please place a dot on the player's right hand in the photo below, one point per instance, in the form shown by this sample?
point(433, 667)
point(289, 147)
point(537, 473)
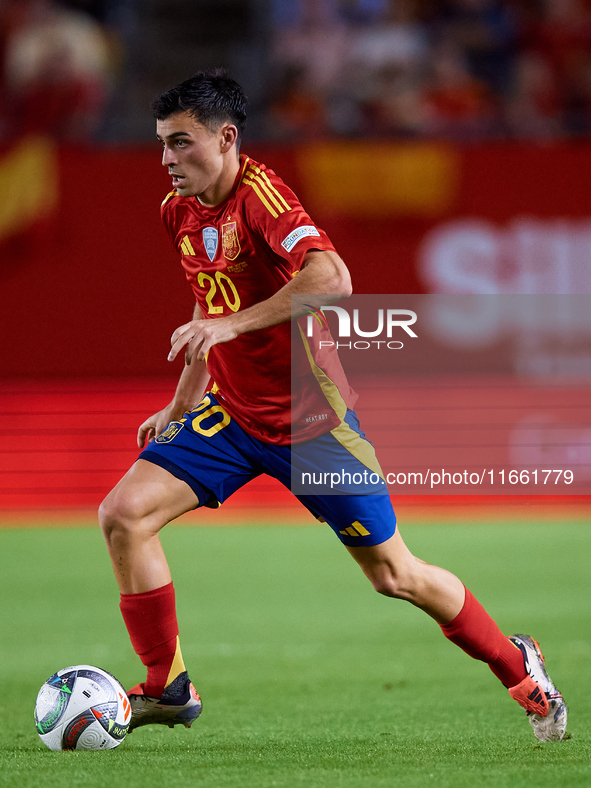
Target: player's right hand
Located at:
point(199, 336)
point(152, 427)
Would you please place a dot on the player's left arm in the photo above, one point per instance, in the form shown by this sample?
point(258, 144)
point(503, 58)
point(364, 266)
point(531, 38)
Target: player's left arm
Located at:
point(323, 273)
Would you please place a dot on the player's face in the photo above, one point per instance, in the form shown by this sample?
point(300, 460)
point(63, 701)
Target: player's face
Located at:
point(193, 155)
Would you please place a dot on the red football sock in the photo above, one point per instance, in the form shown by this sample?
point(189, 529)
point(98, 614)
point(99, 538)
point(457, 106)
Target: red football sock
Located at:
point(474, 631)
point(151, 621)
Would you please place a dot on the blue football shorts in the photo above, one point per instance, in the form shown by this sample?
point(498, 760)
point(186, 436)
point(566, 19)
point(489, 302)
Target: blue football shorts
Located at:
point(334, 476)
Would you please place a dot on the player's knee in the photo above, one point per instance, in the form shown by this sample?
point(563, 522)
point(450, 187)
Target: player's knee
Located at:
point(120, 513)
point(394, 584)
point(387, 586)
point(108, 517)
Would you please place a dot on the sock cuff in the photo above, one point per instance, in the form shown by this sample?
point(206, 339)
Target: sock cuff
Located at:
point(474, 631)
point(163, 590)
point(150, 618)
point(456, 624)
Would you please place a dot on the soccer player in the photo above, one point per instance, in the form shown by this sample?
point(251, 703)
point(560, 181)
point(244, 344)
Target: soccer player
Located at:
point(247, 246)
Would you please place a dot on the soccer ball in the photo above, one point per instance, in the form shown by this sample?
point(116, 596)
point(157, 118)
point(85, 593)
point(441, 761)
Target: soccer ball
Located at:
point(82, 708)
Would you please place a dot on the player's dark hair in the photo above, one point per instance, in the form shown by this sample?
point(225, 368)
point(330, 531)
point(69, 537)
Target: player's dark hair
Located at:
point(212, 97)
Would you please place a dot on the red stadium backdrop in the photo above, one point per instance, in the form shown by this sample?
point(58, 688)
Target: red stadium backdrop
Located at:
point(91, 288)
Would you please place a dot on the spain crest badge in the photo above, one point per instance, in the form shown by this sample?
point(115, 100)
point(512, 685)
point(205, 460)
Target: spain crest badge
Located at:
point(230, 242)
point(170, 432)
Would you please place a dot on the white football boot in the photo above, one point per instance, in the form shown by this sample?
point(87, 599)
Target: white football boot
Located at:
point(537, 694)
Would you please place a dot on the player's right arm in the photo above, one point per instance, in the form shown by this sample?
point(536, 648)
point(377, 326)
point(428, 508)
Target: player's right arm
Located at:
point(189, 391)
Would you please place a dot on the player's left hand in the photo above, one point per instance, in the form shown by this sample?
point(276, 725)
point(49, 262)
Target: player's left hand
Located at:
point(199, 336)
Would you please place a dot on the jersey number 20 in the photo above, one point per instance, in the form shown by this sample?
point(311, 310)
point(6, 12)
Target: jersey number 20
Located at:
point(224, 284)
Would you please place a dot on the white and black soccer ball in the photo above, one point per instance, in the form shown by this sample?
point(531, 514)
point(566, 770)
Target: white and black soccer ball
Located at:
point(82, 708)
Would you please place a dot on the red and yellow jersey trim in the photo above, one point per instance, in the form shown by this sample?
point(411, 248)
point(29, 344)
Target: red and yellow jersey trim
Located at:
point(169, 196)
point(258, 179)
point(245, 165)
point(187, 246)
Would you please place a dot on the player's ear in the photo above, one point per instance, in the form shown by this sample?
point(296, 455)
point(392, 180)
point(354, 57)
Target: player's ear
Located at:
point(229, 135)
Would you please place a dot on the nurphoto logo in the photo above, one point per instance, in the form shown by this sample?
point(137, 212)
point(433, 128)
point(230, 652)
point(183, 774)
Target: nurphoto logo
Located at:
point(387, 320)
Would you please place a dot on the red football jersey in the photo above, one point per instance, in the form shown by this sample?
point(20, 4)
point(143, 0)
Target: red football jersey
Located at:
point(240, 253)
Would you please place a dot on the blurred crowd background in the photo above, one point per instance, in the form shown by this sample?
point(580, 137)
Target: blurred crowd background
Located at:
point(462, 70)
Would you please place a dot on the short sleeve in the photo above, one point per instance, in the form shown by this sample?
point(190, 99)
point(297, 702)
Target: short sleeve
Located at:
point(277, 215)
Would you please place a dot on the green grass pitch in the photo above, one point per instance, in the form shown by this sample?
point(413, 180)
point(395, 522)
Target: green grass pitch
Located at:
point(309, 678)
